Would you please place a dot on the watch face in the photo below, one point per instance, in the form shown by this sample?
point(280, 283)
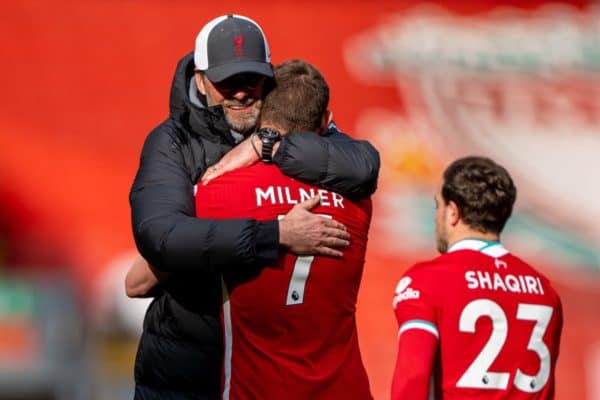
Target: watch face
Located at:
point(269, 133)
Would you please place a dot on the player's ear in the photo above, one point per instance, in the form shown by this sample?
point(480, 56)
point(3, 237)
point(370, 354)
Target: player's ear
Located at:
point(325, 121)
point(452, 213)
point(200, 82)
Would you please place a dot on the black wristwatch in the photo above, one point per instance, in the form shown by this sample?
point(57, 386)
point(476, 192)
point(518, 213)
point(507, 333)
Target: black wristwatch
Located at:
point(268, 137)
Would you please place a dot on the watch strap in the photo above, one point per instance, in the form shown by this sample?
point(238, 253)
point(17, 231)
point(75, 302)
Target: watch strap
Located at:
point(267, 151)
point(268, 138)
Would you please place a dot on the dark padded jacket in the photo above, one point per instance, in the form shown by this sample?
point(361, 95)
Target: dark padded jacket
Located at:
point(179, 355)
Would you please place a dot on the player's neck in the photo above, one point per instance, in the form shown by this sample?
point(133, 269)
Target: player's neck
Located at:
point(462, 232)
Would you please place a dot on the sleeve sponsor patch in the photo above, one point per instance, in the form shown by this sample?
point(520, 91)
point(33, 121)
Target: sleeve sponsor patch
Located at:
point(404, 291)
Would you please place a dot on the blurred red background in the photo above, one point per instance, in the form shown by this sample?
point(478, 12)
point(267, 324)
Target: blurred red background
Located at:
point(84, 82)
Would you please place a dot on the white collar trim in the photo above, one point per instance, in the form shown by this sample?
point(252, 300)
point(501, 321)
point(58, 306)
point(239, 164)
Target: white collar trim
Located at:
point(492, 249)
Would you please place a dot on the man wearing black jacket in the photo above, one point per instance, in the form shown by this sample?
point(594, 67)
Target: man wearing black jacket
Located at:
point(179, 355)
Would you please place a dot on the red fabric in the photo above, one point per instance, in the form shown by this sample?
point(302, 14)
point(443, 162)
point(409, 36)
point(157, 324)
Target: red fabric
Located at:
point(416, 352)
point(299, 351)
point(439, 294)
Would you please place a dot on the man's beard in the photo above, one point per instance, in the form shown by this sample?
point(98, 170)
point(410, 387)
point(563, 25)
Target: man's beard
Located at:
point(442, 245)
point(440, 240)
point(243, 122)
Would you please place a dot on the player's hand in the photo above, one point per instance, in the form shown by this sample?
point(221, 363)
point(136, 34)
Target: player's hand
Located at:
point(303, 232)
point(241, 155)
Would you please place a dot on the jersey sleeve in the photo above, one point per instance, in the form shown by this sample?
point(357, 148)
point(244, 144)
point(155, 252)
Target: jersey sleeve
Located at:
point(414, 363)
point(417, 337)
point(413, 304)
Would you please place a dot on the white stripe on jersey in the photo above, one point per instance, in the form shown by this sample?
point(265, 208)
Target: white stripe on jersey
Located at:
point(419, 324)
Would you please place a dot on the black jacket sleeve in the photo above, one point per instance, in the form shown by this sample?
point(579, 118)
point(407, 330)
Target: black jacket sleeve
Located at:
point(166, 231)
point(335, 161)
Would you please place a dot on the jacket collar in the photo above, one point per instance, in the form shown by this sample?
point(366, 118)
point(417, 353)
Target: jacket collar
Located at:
point(191, 111)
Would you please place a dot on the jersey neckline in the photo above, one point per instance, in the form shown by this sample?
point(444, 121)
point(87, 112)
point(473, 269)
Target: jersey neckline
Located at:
point(492, 249)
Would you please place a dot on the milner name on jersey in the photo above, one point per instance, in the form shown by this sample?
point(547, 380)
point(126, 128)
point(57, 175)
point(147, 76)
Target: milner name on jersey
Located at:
point(507, 283)
point(274, 195)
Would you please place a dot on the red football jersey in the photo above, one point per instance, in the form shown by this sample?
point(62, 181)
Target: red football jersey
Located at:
point(496, 323)
point(290, 332)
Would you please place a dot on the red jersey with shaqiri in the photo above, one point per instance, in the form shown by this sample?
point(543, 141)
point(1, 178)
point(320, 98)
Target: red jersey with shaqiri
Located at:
point(290, 329)
point(497, 320)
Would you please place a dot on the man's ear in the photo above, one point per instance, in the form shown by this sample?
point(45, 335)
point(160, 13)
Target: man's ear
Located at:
point(325, 121)
point(200, 82)
point(452, 213)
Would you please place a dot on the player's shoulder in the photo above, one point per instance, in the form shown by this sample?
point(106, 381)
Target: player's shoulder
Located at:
point(235, 185)
point(364, 204)
point(433, 265)
point(420, 284)
point(529, 269)
point(251, 175)
point(425, 272)
point(521, 268)
point(518, 262)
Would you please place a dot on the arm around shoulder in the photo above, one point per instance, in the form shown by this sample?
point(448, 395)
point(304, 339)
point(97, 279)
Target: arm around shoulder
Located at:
point(165, 228)
point(334, 161)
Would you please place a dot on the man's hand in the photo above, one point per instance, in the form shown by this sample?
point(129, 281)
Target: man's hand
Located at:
point(303, 232)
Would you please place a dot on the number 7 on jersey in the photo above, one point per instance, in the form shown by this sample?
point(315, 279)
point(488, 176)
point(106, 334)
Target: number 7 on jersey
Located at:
point(295, 293)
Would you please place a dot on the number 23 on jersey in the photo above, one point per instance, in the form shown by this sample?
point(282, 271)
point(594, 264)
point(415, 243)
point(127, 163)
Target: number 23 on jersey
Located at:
point(478, 374)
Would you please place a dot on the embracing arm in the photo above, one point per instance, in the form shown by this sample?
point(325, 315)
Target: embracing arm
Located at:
point(335, 161)
point(165, 228)
point(171, 238)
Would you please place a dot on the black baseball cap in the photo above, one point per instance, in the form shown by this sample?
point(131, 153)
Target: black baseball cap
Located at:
point(230, 45)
